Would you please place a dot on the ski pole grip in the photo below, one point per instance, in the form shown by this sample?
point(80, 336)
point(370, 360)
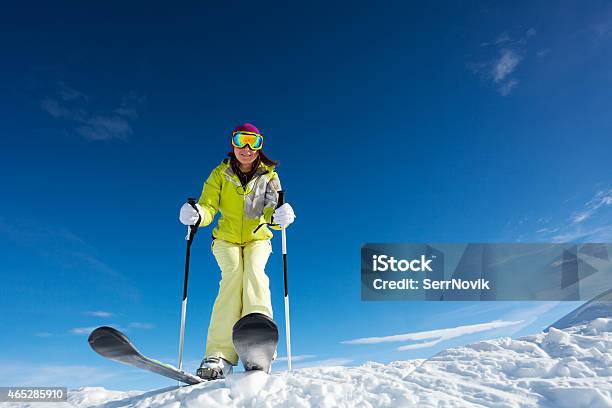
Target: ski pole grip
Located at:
point(281, 198)
point(194, 228)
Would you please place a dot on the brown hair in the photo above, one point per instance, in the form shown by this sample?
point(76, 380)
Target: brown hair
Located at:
point(262, 156)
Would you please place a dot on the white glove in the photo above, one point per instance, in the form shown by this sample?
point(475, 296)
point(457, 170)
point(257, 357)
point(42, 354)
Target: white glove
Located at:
point(283, 215)
point(189, 216)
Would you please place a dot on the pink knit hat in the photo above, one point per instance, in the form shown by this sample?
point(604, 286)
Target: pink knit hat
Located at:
point(247, 127)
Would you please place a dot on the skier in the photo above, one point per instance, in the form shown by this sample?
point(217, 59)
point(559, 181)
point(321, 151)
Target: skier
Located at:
point(244, 189)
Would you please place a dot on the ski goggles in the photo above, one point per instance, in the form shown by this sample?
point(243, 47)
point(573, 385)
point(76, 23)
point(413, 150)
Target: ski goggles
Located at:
point(241, 139)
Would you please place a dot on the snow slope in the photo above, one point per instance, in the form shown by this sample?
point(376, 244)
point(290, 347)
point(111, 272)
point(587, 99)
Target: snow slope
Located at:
point(558, 368)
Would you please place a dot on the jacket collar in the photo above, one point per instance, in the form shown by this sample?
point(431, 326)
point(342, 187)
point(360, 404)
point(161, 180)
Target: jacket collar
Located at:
point(262, 169)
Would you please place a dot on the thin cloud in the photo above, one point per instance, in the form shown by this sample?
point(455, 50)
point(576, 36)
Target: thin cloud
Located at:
point(506, 64)
point(83, 330)
point(527, 316)
point(99, 313)
point(433, 336)
point(424, 344)
point(602, 198)
point(128, 103)
point(87, 330)
point(100, 127)
point(93, 123)
point(29, 374)
point(140, 325)
point(599, 234)
point(500, 68)
point(501, 39)
point(543, 52)
point(592, 222)
point(55, 109)
point(547, 230)
point(478, 308)
point(507, 87)
point(297, 358)
point(69, 94)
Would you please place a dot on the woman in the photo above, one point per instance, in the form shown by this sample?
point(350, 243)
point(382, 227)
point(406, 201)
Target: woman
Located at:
point(244, 189)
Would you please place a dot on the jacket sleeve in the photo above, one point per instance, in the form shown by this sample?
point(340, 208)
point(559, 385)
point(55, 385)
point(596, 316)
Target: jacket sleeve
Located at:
point(271, 200)
point(209, 200)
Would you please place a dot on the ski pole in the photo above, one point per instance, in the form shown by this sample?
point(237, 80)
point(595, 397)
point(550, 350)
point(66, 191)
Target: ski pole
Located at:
point(281, 200)
point(191, 231)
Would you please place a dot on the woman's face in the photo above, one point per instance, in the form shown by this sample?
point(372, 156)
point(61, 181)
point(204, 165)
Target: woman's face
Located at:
point(245, 156)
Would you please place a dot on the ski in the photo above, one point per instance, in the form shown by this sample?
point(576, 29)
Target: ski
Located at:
point(255, 337)
point(113, 344)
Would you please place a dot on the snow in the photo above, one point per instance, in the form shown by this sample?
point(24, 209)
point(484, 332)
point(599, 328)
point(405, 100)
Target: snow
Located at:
point(246, 385)
point(558, 368)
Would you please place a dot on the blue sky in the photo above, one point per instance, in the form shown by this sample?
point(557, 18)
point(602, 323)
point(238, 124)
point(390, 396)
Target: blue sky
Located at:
point(392, 122)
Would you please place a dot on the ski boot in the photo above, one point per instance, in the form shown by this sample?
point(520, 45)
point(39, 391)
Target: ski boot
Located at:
point(214, 368)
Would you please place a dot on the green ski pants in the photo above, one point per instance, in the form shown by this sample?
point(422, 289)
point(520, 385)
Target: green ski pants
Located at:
point(244, 288)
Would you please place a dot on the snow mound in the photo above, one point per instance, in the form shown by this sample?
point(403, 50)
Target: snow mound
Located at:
point(558, 368)
point(599, 306)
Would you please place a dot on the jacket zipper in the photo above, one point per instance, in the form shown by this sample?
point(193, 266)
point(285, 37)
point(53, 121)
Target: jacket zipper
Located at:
point(253, 180)
point(246, 189)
